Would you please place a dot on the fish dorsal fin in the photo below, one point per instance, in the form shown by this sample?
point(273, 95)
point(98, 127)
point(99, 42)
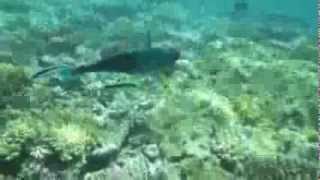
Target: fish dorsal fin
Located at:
point(148, 40)
point(113, 49)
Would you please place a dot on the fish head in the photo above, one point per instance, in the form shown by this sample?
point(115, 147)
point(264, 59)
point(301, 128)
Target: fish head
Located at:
point(172, 53)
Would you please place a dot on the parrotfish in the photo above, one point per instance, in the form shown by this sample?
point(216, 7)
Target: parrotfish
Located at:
point(138, 61)
point(131, 62)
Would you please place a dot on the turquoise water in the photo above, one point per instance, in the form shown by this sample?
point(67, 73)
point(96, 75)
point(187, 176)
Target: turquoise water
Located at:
point(158, 90)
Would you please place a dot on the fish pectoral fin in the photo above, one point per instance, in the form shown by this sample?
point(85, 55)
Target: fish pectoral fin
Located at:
point(121, 85)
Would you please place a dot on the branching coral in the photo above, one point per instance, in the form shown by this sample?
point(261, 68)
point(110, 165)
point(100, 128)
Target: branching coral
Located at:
point(18, 135)
point(250, 100)
point(187, 122)
point(60, 134)
point(251, 110)
point(71, 140)
point(197, 105)
point(14, 80)
point(9, 151)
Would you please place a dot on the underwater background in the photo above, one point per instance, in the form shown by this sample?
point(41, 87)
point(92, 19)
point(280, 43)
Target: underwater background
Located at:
point(239, 103)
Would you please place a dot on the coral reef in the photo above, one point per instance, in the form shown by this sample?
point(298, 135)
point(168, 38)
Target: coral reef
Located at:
point(240, 103)
point(163, 12)
point(14, 80)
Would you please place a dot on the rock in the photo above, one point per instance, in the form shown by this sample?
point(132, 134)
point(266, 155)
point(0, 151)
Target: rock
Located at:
point(171, 150)
point(146, 105)
point(199, 148)
point(120, 114)
point(100, 158)
point(186, 66)
point(118, 173)
point(105, 151)
point(59, 92)
point(151, 151)
point(158, 171)
point(98, 109)
point(6, 57)
point(218, 44)
point(46, 60)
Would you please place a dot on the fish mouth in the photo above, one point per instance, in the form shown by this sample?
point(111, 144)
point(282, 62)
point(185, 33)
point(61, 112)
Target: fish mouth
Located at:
point(175, 53)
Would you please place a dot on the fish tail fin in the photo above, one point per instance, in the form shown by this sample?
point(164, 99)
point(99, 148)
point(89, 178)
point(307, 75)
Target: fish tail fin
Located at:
point(63, 70)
